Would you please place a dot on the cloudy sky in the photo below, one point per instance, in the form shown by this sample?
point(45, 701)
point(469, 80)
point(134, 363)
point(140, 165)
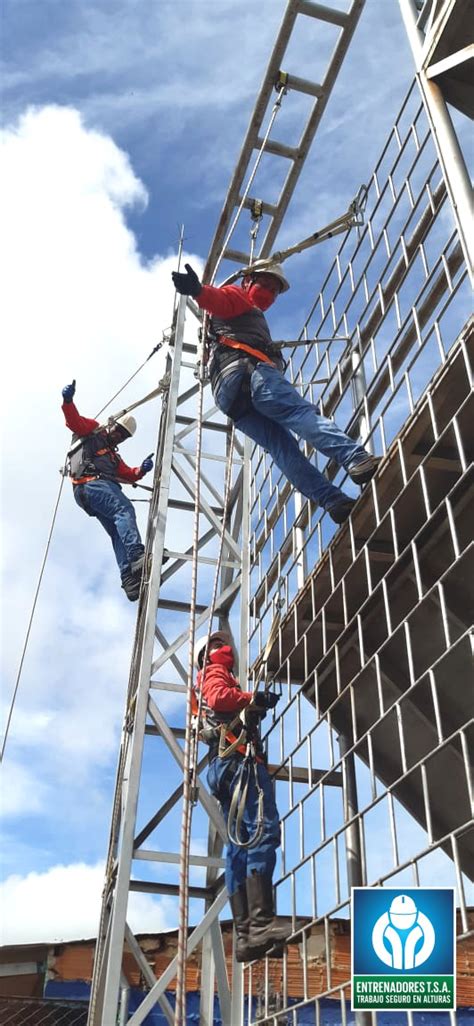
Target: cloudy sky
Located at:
point(121, 120)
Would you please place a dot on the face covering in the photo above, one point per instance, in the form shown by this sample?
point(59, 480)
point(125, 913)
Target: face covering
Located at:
point(261, 297)
point(222, 657)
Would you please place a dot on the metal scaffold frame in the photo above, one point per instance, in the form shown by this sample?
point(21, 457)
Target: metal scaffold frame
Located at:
point(380, 352)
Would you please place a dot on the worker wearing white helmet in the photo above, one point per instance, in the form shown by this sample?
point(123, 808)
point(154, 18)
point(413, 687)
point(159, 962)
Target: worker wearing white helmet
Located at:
point(229, 721)
point(96, 471)
point(249, 386)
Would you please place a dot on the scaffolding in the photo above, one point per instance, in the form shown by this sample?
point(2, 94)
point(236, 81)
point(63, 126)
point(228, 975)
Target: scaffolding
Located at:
point(373, 640)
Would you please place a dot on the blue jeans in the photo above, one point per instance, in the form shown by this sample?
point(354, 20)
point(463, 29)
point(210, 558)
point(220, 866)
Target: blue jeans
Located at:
point(222, 777)
point(277, 409)
point(106, 501)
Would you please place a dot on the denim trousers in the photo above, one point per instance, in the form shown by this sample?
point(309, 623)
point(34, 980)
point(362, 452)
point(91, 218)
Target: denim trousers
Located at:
point(277, 409)
point(105, 501)
point(222, 778)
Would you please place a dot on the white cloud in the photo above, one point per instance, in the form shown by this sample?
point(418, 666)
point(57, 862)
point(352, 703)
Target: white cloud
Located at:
point(64, 904)
point(80, 303)
point(21, 791)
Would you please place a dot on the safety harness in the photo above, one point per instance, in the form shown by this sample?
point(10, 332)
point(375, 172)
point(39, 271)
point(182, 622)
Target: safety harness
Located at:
point(226, 735)
point(238, 344)
point(219, 732)
point(89, 458)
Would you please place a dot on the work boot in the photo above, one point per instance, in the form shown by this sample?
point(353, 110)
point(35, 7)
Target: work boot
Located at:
point(145, 561)
point(263, 930)
point(136, 568)
point(364, 470)
point(240, 914)
point(342, 509)
point(131, 585)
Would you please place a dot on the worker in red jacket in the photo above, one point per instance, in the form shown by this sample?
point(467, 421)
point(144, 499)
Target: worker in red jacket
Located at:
point(96, 470)
point(230, 718)
point(248, 385)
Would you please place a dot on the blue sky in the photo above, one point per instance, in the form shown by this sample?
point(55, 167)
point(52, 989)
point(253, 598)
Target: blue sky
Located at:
point(120, 121)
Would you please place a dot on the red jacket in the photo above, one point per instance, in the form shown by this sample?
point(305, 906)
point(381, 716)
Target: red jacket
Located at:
point(221, 691)
point(85, 426)
point(226, 301)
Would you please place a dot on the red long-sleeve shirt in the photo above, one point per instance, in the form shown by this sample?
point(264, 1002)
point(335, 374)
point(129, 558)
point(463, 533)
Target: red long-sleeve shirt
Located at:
point(226, 301)
point(84, 426)
point(221, 691)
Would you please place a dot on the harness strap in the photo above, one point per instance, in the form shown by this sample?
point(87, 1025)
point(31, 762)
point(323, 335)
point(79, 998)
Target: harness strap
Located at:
point(239, 801)
point(83, 480)
point(257, 353)
point(236, 743)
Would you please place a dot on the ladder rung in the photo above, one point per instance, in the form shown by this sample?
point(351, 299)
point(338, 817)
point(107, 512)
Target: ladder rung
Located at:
point(188, 556)
point(179, 607)
point(189, 507)
point(237, 256)
point(162, 685)
point(167, 856)
point(323, 13)
point(181, 449)
point(303, 85)
point(207, 424)
point(278, 149)
point(146, 887)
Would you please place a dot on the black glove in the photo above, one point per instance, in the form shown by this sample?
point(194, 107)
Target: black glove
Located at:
point(266, 700)
point(68, 392)
point(186, 284)
point(251, 716)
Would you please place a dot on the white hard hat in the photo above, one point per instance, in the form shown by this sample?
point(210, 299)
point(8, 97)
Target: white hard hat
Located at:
point(128, 423)
point(200, 645)
point(262, 267)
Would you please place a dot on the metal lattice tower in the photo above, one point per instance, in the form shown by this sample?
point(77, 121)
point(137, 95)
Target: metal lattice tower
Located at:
point(373, 643)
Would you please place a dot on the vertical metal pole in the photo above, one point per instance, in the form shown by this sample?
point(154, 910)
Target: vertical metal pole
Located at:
point(301, 563)
point(450, 155)
point(132, 772)
point(124, 1001)
point(359, 391)
point(352, 839)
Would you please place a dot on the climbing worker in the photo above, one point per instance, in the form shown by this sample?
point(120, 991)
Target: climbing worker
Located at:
point(248, 385)
point(96, 469)
point(229, 724)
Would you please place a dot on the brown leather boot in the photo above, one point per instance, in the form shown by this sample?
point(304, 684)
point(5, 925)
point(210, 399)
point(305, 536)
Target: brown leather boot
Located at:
point(263, 931)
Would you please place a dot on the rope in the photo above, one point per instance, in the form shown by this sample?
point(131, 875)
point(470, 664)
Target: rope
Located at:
point(45, 557)
point(216, 575)
point(276, 107)
point(180, 1006)
point(25, 646)
point(192, 737)
point(162, 387)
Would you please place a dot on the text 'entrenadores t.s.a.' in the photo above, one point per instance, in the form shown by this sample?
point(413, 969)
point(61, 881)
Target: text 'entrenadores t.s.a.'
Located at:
point(403, 954)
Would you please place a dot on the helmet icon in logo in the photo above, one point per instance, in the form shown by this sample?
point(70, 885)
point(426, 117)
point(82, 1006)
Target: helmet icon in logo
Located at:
point(403, 937)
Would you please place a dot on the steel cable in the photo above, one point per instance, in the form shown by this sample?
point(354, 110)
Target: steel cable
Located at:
point(276, 108)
